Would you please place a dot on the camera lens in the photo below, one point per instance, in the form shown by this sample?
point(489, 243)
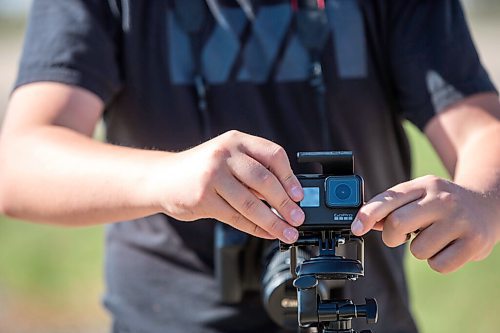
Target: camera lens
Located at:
point(278, 293)
point(342, 191)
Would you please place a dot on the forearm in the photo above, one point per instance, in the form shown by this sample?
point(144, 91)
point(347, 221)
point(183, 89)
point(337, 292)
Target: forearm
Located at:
point(467, 138)
point(478, 163)
point(478, 169)
point(51, 171)
point(55, 175)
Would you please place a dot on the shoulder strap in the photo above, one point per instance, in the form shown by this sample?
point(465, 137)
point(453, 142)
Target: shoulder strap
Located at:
point(312, 24)
point(191, 15)
point(313, 31)
point(115, 8)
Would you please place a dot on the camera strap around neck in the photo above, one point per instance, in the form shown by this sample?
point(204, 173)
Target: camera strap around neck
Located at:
point(192, 17)
point(313, 31)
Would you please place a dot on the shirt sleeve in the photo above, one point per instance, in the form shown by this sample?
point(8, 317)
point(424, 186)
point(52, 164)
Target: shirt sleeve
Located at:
point(434, 62)
point(71, 42)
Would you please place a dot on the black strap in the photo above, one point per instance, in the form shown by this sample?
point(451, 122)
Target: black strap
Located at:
point(245, 36)
point(191, 16)
point(115, 7)
point(313, 31)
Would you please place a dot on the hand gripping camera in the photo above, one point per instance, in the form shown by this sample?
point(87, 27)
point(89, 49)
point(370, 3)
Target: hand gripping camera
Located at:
point(295, 279)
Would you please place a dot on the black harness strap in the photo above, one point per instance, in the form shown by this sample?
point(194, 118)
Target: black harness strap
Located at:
point(192, 17)
point(313, 31)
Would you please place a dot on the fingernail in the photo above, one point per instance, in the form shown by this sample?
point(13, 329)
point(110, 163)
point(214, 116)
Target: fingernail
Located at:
point(297, 216)
point(291, 234)
point(357, 227)
point(297, 193)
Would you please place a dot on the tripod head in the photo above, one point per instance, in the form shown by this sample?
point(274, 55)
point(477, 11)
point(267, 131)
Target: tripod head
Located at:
point(332, 199)
point(328, 315)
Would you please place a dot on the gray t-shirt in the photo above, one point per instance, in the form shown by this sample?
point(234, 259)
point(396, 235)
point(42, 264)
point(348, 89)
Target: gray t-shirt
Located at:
point(383, 61)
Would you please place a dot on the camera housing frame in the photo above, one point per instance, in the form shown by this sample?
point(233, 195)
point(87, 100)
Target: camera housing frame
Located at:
point(322, 213)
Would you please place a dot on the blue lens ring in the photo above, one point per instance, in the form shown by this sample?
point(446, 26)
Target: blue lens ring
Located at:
point(343, 191)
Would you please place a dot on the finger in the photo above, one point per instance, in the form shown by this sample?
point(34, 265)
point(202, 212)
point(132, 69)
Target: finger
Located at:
point(229, 215)
point(261, 180)
point(452, 257)
point(247, 204)
point(379, 226)
point(430, 241)
point(257, 194)
point(275, 158)
point(380, 206)
point(483, 254)
point(416, 215)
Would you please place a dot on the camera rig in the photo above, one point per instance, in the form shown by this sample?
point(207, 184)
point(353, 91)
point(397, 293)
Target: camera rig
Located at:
point(326, 237)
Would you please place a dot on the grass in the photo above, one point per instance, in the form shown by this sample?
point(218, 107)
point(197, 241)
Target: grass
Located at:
point(47, 261)
point(50, 278)
point(60, 270)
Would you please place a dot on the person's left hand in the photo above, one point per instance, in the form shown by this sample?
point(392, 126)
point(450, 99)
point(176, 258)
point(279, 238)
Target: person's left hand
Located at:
point(453, 225)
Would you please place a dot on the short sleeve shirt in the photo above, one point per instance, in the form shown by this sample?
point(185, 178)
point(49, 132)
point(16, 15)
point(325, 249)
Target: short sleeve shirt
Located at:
point(383, 62)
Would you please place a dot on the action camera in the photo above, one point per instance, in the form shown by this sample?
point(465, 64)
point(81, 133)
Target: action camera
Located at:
point(333, 198)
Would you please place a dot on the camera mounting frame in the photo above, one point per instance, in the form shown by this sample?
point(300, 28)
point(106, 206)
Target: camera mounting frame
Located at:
point(328, 315)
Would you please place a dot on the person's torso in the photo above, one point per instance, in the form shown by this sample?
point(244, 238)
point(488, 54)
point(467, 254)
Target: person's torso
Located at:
point(257, 73)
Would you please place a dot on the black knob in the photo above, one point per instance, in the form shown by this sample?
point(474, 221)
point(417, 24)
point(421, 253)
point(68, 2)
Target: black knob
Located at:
point(371, 311)
point(368, 310)
point(305, 282)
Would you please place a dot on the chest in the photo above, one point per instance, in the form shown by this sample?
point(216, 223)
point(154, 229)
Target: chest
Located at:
point(257, 68)
point(268, 43)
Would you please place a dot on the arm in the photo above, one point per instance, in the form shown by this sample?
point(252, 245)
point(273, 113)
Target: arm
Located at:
point(457, 221)
point(52, 172)
point(467, 138)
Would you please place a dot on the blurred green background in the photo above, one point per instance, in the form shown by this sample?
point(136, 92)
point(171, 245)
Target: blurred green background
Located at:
point(51, 278)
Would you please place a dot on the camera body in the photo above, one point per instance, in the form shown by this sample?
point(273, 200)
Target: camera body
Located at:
point(330, 202)
point(333, 198)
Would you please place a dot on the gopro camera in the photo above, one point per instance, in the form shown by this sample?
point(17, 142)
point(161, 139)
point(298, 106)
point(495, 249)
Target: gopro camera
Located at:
point(331, 199)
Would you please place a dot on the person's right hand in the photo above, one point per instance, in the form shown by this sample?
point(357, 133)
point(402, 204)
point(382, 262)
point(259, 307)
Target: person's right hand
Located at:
point(226, 178)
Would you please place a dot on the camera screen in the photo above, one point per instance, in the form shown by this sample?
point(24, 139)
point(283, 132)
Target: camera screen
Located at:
point(311, 197)
point(343, 191)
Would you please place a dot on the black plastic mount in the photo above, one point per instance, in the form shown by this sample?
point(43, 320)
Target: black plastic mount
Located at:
point(327, 265)
point(339, 163)
point(329, 315)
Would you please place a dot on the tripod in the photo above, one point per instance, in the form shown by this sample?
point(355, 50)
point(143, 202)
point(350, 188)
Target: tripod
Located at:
point(328, 315)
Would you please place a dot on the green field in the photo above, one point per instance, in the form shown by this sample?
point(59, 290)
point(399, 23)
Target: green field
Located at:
point(51, 278)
